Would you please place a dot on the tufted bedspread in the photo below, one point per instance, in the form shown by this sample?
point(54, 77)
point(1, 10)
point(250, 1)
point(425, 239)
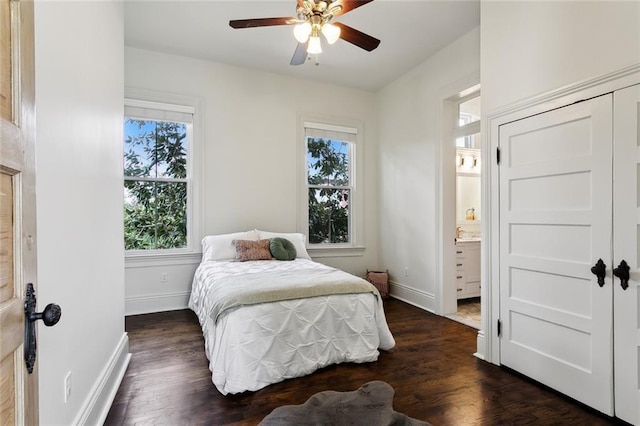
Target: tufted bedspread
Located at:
point(252, 346)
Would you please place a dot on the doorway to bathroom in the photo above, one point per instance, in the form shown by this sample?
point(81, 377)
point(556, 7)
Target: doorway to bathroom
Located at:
point(468, 210)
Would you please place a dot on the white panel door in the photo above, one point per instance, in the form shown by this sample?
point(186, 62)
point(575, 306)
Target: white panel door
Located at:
point(626, 227)
point(555, 223)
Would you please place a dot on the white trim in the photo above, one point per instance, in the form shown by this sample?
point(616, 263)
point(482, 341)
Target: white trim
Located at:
point(163, 106)
point(96, 406)
point(335, 251)
point(330, 127)
point(156, 96)
point(413, 296)
point(554, 99)
point(150, 260)
point(136, 305)
point(469, 93)
point(156, 179)
point(569, 94)
point(480, 343)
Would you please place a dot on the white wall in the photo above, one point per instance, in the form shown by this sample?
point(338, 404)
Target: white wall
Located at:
point(532, 47)
point(250, 157)
point(410, 135)
point(79, 96)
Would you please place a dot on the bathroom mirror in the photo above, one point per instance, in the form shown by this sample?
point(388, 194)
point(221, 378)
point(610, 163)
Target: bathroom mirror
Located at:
point(467, 197)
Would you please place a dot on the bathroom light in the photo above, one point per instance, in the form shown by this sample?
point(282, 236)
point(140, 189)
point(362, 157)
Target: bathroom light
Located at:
point(467, 162)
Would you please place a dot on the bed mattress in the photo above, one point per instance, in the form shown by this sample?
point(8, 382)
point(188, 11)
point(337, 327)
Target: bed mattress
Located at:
point(252, 346)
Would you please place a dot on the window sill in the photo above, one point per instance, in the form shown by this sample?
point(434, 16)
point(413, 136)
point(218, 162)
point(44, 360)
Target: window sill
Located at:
point(145, 260)
point(344, 251)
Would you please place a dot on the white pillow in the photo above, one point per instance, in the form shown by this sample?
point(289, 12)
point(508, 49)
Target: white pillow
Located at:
point(296, 238)
point(220, 247)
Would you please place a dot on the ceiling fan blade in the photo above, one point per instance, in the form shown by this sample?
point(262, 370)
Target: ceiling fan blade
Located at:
point(300, 55)
point(348, 5)
point(356, 37)
point(261, 22)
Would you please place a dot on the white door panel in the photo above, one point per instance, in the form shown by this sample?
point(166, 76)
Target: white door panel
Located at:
point(626, 228)
point(571, 346)
point(555, 223)
point(564, 243)
point(542, 142)
point(557, 292)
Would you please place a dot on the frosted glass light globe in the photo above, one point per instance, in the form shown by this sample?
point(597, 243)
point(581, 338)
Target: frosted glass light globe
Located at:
point(331, 33)
point(314, 46)
point(302, 31)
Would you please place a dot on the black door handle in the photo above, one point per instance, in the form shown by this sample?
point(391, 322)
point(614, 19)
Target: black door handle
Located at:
point(622, 272)
point(599, 270)
point(50, 316)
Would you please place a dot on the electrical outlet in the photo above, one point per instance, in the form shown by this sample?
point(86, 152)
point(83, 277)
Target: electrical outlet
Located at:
point(67, 386)
point(406, 271)
point(164, 277)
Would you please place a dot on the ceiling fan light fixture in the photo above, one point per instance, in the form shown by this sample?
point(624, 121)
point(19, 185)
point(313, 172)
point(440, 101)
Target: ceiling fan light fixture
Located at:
point(312, 18)
point(314, 46)
point(302, 31)
point(331, 33)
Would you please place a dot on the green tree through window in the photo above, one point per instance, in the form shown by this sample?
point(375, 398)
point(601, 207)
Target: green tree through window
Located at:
point(155, 185)
point(329, 186)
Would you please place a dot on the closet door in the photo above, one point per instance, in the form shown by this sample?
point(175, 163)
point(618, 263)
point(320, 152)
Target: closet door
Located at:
point(626, 229)
point(555, 223)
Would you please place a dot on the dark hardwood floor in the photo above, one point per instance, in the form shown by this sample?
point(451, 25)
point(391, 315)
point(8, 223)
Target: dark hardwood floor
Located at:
point(432, 369)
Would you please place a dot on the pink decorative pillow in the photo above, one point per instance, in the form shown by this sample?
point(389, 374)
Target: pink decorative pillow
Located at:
point(252, 250)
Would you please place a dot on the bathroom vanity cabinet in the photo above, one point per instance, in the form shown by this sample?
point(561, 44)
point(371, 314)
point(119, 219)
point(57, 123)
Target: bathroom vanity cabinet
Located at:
point(468, 268)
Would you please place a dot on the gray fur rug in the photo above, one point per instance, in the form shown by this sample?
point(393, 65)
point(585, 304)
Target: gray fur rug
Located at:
point(371, 404)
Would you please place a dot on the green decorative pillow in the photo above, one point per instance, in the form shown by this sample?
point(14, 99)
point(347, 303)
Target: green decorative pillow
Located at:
point(282, 249)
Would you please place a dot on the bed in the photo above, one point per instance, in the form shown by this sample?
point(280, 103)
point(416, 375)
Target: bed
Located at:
point(305, 315)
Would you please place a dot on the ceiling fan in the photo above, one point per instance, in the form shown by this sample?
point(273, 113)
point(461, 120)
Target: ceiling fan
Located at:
point(313, 17)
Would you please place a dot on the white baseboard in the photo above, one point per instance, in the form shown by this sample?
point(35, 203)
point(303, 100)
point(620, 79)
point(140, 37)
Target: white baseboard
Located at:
point(97, 404)
point(412, 296)
point(481, 345)
point(156, 303)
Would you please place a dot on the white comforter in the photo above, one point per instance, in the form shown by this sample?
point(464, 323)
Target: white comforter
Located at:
point(252, 346)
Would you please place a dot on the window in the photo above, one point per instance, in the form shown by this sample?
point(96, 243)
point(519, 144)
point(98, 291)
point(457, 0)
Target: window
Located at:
point(469, 111)
point(157, 175)
point(468, 122)
point(329, 164)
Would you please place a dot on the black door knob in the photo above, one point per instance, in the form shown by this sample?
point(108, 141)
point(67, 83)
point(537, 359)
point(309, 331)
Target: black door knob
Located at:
point(622, 272)
point(599, 270)
point(50, 316)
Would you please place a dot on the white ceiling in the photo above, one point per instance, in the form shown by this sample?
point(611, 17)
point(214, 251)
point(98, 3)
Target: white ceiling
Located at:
point(410, 32)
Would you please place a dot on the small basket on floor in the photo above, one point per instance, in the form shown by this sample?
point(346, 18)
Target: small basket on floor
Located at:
point(380, 279)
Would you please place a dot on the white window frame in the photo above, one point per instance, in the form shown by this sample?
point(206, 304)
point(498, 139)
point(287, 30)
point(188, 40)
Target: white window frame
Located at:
point(355, 246)
point(468, 129)
point(164, 107)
